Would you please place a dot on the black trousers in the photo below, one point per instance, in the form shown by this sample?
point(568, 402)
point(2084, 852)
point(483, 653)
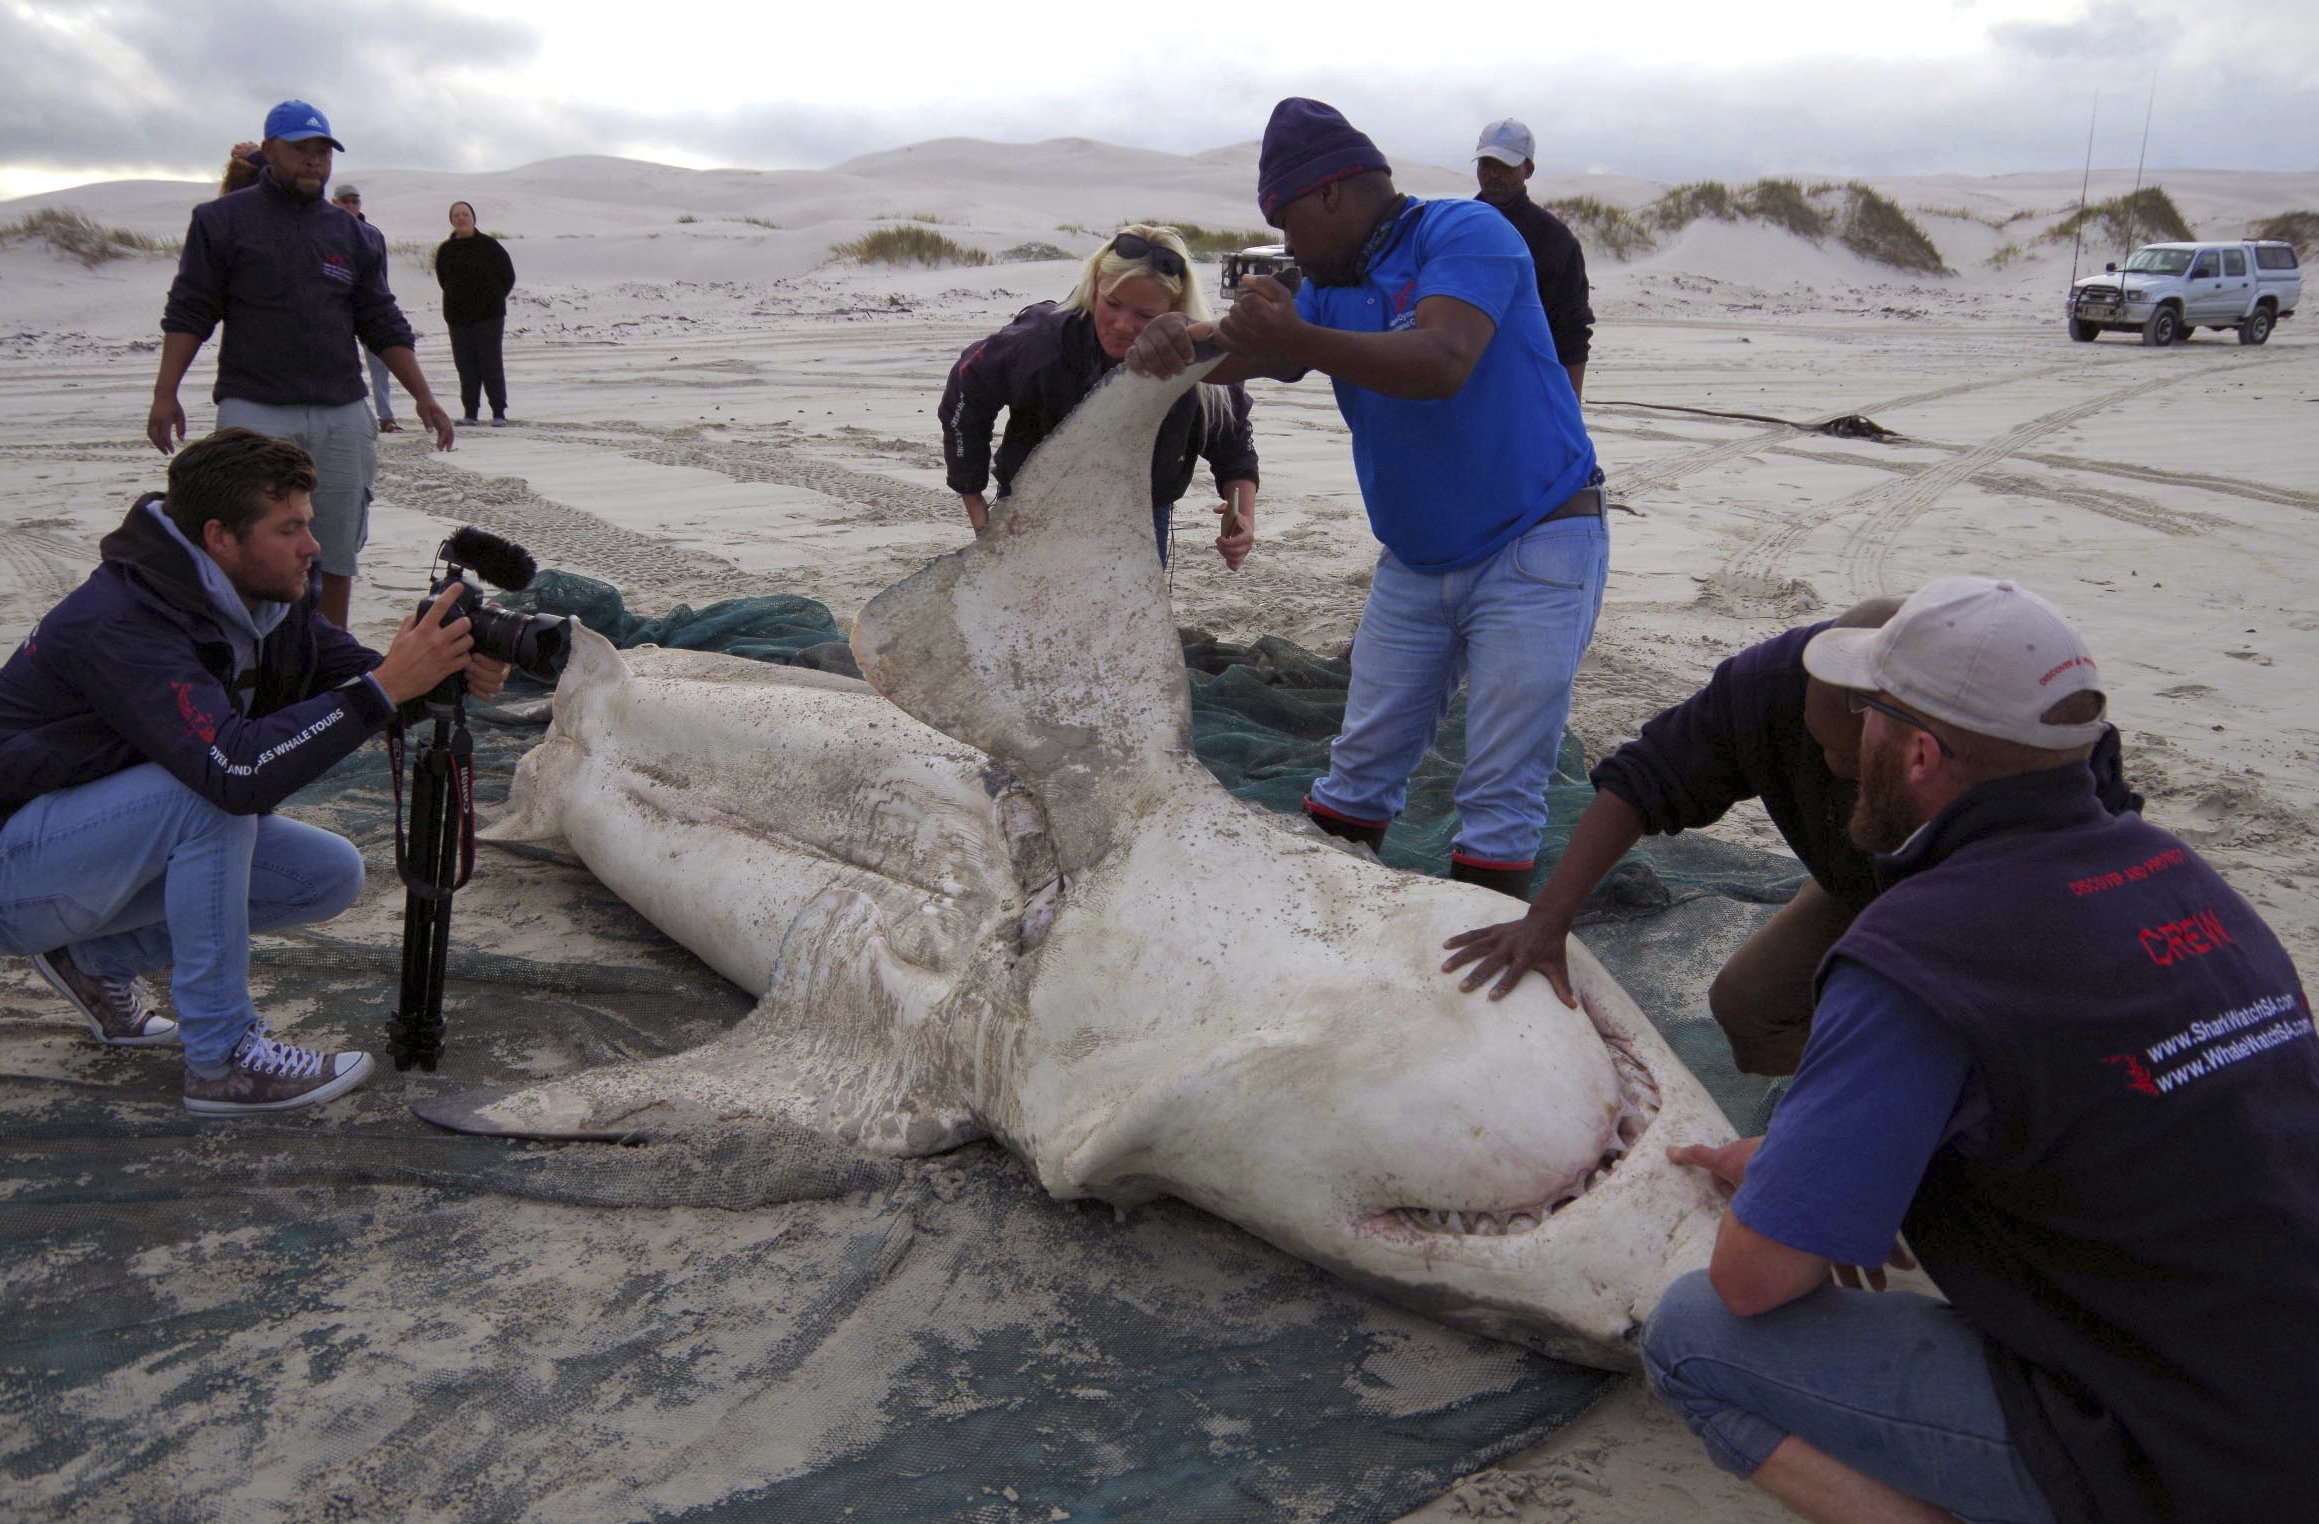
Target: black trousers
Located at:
point(475, 350)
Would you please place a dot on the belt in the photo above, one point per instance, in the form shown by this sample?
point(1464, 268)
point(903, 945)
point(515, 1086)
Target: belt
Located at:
point(1585, 503)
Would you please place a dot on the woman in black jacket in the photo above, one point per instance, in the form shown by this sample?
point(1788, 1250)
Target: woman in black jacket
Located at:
point(1040, 365)
point(476, 275)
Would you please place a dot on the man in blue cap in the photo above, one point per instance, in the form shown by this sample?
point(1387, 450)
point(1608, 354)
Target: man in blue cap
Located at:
point(1473, 464)
point(297, 282)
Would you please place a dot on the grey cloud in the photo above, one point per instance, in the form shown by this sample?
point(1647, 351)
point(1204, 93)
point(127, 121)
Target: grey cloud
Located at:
point(381, 72)
point(369, 64)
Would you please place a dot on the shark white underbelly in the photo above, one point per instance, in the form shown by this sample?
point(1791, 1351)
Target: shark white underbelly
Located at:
point(992, 893)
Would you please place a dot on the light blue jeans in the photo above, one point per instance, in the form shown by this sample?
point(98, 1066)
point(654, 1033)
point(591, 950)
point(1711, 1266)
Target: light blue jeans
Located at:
point(1893, 1384)
point(382, 395)
point(1512, 628)
point(137, 872)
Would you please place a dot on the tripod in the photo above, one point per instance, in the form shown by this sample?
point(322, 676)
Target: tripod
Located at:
point(439, 861)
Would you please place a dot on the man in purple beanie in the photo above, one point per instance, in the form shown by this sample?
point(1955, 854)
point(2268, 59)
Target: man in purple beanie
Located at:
point(1474, 466)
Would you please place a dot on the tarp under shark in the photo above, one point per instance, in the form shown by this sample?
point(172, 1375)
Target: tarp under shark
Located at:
point(353, 1315)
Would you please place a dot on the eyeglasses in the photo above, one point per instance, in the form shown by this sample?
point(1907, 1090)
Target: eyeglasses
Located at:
point(1861, 703)
point(1162, 259)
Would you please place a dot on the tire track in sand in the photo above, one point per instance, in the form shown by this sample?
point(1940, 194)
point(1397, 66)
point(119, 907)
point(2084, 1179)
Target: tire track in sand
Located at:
point(1884, 509)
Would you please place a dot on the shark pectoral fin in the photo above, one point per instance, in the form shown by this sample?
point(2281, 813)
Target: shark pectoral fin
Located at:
point(863, 1025)
point(593, 674)
point(1048, 642)
point(530, 1111)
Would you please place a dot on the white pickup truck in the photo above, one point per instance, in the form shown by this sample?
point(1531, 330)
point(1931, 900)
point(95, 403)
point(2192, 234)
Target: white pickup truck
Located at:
point(2170, 290)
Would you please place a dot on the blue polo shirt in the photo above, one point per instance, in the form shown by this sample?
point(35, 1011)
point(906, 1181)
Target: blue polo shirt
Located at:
point(1449, 483)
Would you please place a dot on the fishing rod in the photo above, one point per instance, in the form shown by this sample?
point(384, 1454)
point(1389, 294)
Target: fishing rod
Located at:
point(2134, 202)
point(2083, 186)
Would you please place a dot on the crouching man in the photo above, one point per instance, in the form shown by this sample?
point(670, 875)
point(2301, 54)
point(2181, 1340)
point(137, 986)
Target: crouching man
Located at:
point(149, 725)
point(2077, 1069)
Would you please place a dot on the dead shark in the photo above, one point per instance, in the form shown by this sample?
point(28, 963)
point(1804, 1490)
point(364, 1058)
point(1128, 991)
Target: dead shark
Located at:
point(992, 892)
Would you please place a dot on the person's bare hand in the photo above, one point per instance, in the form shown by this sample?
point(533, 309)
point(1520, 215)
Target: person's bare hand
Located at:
point(435, 421)
point(1511, 949)
point(1164, 348)
point(486, 675)
point(1855, 1277)
point(425, 650)
point(1263, 325)
point(1236, 533)
point(1727, 1162)
point(165, 425)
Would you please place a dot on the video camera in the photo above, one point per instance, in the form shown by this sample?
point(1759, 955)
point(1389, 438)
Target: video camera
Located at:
point(439, 856)
point(533, 644)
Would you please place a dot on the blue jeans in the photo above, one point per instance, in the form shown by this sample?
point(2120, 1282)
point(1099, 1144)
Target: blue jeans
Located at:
point(1513, 629)
point(136, 872)
point(381, 395)
point(1892, 1384)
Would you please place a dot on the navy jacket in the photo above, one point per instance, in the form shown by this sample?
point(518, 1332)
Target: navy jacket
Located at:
point(1742, 737)
point(296, 281)
point(134, 667)
point(1562, 286)
point(2137, 1232)
point(1038, 368)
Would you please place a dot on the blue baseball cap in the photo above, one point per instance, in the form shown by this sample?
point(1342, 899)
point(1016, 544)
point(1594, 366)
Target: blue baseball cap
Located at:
point(295, 121)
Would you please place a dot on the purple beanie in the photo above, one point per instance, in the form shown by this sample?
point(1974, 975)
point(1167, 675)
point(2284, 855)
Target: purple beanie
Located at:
point(1307, 145)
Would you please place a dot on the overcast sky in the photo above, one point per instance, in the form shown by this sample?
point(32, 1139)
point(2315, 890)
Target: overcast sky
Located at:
point(1673, 90)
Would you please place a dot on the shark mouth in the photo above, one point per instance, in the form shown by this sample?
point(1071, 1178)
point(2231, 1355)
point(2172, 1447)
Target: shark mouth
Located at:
point(1638, 1106)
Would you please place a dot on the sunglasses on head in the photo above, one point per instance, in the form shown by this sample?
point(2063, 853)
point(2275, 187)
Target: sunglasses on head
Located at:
point(1861, 703)
point(1162, 259)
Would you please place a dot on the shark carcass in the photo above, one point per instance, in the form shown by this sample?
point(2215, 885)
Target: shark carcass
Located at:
point(992, 893)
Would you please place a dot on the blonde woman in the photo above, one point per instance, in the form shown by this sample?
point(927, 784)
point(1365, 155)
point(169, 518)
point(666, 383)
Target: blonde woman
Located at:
point(1038, 367)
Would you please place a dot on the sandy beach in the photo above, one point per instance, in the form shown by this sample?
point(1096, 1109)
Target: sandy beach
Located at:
point(709, 404)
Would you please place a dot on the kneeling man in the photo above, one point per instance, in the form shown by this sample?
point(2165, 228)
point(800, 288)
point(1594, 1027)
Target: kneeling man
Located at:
point(149, 725)
point(2079, 1072)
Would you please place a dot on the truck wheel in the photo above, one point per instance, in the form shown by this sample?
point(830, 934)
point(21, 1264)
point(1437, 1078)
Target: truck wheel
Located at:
point(2164, 326)
point(2084, 333)
point(2257, 326)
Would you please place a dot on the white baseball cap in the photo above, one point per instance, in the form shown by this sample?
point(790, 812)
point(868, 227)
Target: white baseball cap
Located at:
point(1987, 656)
point(1508, 142)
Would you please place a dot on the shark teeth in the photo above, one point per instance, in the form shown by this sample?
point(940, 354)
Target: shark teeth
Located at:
point(1467, 1223)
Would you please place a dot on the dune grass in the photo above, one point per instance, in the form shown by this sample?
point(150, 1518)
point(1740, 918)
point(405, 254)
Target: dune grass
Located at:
point(1857, 217)
point(1213, 243)
point(1874, 227)
point(913, 245)
point(2298, 228)
point(1025, 253)
point(1785, 204)
point(2148, 215)
point(90, 242)
point(1614, 227)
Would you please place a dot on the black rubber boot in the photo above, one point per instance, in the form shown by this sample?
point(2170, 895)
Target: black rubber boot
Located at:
point(1508, 881)
point(1370, 836)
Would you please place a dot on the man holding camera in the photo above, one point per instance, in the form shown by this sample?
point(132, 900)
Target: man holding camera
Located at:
point(150, 724)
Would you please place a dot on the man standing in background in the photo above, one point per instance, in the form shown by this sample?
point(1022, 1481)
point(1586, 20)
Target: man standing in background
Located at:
point(349, 199)
point(1502, 166)
point(295, 283)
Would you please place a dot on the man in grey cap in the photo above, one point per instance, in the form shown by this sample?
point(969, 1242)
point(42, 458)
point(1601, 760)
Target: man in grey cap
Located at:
point(2073, 1065)
point(1502, 167)
point(348, 198)
point(296, 283)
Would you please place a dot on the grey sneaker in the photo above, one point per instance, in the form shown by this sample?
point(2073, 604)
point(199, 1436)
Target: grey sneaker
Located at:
point(113, 1008)
point(267, 1074)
